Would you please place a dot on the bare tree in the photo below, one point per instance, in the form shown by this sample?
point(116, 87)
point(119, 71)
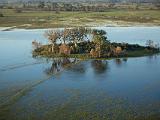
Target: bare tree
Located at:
point(36, 44)
point(52, 36)
point(150, 43)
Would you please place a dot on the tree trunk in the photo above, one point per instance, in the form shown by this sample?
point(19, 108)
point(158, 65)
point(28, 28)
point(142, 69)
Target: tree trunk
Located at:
point(75, 44)
point(53, 48)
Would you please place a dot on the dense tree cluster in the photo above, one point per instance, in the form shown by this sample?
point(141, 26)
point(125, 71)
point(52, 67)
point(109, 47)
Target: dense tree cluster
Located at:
point(68, 35)
point(86, 1)
point(80, 41)
point(92, 42)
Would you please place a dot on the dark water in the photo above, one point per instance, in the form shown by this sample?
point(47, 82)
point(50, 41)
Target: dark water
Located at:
point(38, 89)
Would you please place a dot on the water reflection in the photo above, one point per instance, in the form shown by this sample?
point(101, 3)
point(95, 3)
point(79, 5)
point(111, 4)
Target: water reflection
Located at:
point(125, 59)
point(138, 85)
point(118, 62)
point(99, 66)
point(78, 68)
point(74, 65)
point(151, 58)
point(58, 65)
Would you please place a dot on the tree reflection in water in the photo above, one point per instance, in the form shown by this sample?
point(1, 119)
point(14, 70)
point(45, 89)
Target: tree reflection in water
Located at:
point(59, 64)
point(118, 62)
point(99, 66)
point(78, 68)
point(125, 59)
point(151, 59)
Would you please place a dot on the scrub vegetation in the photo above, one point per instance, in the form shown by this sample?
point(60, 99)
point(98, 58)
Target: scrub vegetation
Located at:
point(50, 19)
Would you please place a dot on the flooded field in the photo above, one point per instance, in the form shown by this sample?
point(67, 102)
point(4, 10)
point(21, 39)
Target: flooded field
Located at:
point(61, 88)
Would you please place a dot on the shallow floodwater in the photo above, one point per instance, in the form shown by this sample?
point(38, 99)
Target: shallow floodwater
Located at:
point(39, 88)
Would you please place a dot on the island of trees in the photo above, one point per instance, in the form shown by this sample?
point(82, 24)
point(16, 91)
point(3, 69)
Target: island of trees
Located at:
point(83, 42)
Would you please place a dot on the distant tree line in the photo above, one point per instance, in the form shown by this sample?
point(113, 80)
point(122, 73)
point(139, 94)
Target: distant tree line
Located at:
point(84, 1)
point(76, 6)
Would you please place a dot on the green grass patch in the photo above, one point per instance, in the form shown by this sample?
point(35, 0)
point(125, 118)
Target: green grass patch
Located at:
point(41, 18)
